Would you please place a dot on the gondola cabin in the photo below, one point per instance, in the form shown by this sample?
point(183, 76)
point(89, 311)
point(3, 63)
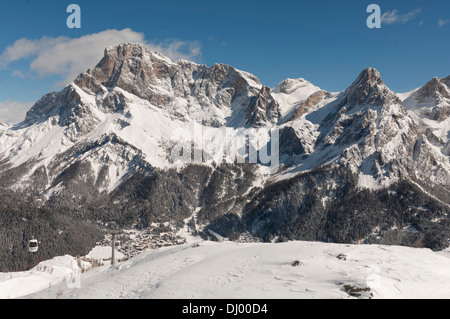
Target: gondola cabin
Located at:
point(33, 246)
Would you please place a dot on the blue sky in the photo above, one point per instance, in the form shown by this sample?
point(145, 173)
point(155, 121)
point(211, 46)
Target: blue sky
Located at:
point(325, 42)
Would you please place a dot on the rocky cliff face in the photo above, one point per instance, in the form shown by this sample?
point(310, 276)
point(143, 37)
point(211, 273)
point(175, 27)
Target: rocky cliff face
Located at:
point(263, 109)
point(217, 95)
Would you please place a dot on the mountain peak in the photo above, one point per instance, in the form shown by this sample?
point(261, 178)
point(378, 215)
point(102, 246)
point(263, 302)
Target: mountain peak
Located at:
point(132, 50)
point(368, 89)
point(371, 76)
point(126, 49)
point(131, 67)
point(174, 87)
point(435, 96)
point(434, 89)
point(132, 58)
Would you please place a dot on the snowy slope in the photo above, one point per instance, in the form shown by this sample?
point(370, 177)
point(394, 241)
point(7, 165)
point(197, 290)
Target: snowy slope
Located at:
point(229, 270)
point(46, 274)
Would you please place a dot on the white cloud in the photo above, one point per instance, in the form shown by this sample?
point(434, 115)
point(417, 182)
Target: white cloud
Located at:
point(13, 112)
point(391, 17)
point(69, 57)
point(442, 22)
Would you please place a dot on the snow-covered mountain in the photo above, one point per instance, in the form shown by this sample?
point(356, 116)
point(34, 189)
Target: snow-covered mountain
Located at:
point(103, 146)
point(368, 129)
point(430, 107)
point(119, 117)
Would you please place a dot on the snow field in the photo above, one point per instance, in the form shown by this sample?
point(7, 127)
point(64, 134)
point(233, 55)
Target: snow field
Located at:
point(294, 270)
